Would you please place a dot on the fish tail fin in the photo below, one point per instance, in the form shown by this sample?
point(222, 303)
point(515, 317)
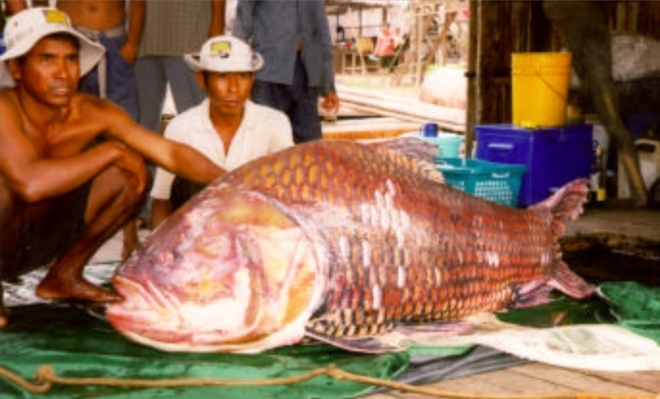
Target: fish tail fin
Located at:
point(565, 204)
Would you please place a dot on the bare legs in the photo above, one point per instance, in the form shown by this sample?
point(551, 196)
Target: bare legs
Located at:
point(9, 229)
point(131, 240)
point(112, 202)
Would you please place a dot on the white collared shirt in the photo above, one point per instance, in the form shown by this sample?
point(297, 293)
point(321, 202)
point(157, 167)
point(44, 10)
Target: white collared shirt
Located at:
point(263, 131)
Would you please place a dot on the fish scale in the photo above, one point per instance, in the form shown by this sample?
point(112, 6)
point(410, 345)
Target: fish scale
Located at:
point(351, 290)
point(369, 240)
point(354, 289)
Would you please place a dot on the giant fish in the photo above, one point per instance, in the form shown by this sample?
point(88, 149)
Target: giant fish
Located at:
point(342, 242)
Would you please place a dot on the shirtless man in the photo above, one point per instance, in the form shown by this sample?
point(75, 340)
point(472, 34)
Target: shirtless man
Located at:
point(105, 22)
point(70, 173)
point(100, 15)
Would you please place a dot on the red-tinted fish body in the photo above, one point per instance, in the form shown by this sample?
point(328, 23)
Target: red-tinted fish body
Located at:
point(375, 239)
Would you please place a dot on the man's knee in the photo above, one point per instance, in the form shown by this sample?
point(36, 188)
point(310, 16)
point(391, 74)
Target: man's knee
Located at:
point(182, 190)
point(125, 188)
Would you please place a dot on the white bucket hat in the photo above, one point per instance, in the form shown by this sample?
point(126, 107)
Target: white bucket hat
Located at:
point(27, 27)
point(225, 54)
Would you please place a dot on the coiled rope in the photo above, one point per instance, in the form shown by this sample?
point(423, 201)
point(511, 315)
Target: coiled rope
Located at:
point(46, 377)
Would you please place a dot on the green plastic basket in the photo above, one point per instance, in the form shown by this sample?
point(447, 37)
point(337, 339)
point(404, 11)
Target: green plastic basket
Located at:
point(449, 144)
point(491, 181)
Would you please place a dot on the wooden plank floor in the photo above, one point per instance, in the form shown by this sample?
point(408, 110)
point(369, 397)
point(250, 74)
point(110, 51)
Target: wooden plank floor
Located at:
point(536, 379)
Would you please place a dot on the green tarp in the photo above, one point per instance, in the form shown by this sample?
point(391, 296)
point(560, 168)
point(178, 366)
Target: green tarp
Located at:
point(636, 307)
point(79, 345)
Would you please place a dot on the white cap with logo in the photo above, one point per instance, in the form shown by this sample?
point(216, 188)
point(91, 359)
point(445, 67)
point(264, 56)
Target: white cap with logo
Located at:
point(27, 27)
point(225, 54)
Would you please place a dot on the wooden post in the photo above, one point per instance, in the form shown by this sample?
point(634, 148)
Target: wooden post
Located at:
point(471, 75)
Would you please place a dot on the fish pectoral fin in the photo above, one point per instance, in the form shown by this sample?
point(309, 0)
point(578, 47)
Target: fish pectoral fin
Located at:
point(566, 281)
point(435, 328)
point(374, 344)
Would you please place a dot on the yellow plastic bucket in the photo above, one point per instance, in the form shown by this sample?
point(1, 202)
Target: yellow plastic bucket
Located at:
point(540, 88)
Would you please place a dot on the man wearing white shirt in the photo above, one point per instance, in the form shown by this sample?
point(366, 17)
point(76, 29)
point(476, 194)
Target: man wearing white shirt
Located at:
point(227, 127)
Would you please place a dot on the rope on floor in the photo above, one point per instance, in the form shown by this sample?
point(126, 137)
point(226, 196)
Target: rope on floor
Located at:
point(46, 378)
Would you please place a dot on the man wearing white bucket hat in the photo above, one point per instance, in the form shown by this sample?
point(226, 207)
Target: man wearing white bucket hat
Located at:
point(71, 173)
point(227, 127)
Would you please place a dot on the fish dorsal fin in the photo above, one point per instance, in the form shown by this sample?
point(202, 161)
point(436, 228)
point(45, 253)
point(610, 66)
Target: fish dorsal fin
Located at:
point(412, 147)
point(420, 151)
point(565, 204)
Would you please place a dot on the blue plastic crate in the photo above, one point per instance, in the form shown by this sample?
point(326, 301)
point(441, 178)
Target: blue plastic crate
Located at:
point(553, 156)
point(491, 181)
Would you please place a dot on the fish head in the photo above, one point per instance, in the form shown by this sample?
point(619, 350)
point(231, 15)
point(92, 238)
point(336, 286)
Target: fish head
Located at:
point(229, 274)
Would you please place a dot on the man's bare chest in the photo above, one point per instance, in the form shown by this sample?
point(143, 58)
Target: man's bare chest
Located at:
point(63, 139)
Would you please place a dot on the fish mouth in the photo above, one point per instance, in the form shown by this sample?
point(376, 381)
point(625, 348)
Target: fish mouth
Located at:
point(136, 308)
point(161, 316)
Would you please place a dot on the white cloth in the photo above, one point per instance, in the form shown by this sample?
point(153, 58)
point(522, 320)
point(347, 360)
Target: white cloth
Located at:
point(263, 131)
point(604, 347)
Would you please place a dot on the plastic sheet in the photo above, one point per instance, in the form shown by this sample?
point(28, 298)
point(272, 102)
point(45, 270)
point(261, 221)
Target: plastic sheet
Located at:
point(79, 345)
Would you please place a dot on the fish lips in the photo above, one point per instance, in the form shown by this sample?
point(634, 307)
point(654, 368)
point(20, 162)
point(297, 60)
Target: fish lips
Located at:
point(159, 319)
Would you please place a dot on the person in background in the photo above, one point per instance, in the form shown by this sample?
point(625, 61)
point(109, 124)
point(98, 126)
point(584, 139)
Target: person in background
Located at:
point(172, 28)
point(71, 164)
point(294, 38)
point(227, 127)
point(118, 29)
point(384, 50)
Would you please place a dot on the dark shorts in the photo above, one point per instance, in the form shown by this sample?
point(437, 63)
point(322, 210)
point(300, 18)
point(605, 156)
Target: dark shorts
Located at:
point(46, 239)
point(298, 101)
point(182, 191)
point(386, 61)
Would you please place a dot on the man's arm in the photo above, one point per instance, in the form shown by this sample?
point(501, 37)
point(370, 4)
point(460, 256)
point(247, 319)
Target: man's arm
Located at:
point(136, 11)
point(329, 92)
point(179, 159)
point(34, 178)
point(217, 26)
